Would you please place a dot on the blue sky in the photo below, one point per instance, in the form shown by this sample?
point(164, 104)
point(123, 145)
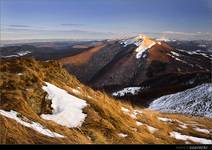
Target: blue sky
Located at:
point(96, 19)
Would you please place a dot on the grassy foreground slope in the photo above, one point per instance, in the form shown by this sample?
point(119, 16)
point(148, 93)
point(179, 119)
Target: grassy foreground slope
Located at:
point(107, 121)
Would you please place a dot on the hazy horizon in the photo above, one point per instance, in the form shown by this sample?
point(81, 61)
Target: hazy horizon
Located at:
point(111, 19)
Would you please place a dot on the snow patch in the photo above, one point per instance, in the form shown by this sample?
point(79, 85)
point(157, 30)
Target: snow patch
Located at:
point(176, 58)
point(133, 116)
point(184, 126)
point(67, 109)
point(151, 129)
point(128, 90)
point(206, 131)
point(165, 119)
point(10, 56)
point(197, 52)
point(202, 45)
point(134, 129)
point(125, 110)
point(122, 135)
point(180, 136)
point(194, 101)
point(30, 124)
point(138, 123)
point(174, 53)
point(135, 111)
point(22, 53)
point(75, 91)
point(181, 124)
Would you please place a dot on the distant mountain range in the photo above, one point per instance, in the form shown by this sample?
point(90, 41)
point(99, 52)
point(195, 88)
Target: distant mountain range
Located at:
point(138, 69)
point(153, 67)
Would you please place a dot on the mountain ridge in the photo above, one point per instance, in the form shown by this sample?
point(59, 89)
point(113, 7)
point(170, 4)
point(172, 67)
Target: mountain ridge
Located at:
point(116, 66)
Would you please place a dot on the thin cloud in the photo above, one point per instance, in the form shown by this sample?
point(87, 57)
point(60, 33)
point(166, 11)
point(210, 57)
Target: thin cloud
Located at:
point(54, 30)
point(179, 33)
point(18, 25)
point(72, 24)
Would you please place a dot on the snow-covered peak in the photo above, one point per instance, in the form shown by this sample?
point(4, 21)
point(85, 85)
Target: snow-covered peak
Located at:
point(134, 40)
point(142, 42)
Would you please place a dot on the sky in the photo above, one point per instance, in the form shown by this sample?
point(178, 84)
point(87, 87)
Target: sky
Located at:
point(100, 19)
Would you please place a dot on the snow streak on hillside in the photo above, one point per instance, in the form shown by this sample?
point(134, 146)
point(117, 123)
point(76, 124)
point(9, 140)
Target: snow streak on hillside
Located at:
point(30, 124)
point(195, 101)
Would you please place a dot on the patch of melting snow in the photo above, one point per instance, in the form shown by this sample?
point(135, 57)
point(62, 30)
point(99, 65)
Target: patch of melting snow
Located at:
point(180, 136)
point(188, 52)
point(22, 53)
point(181, 124)
point(202, 45)
point(10, 56)
point(133, 116)
point(128, 90)
point(178, 59)
point(210, 89)
point(30, 124)
point(125, 110)
point(138, 123)
point(136, 112)
point(75, 91)
point(151, 129)
point(67, 109)
point(197, 52)
point(90, 97)
point(122, 135)
point(165, 119)
point(205, 55)
point(184, 126)
point(134, 129)
point(174, 53)
point(206, 131)
point(89, 138)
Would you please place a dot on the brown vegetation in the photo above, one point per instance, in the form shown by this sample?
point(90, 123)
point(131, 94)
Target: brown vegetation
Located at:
point(105, 119)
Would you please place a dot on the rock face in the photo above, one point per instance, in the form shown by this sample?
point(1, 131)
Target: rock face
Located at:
point(195, 101)
point(156, 67)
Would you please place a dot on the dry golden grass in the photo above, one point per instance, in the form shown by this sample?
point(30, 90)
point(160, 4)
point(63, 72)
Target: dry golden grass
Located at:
point(104, 121)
